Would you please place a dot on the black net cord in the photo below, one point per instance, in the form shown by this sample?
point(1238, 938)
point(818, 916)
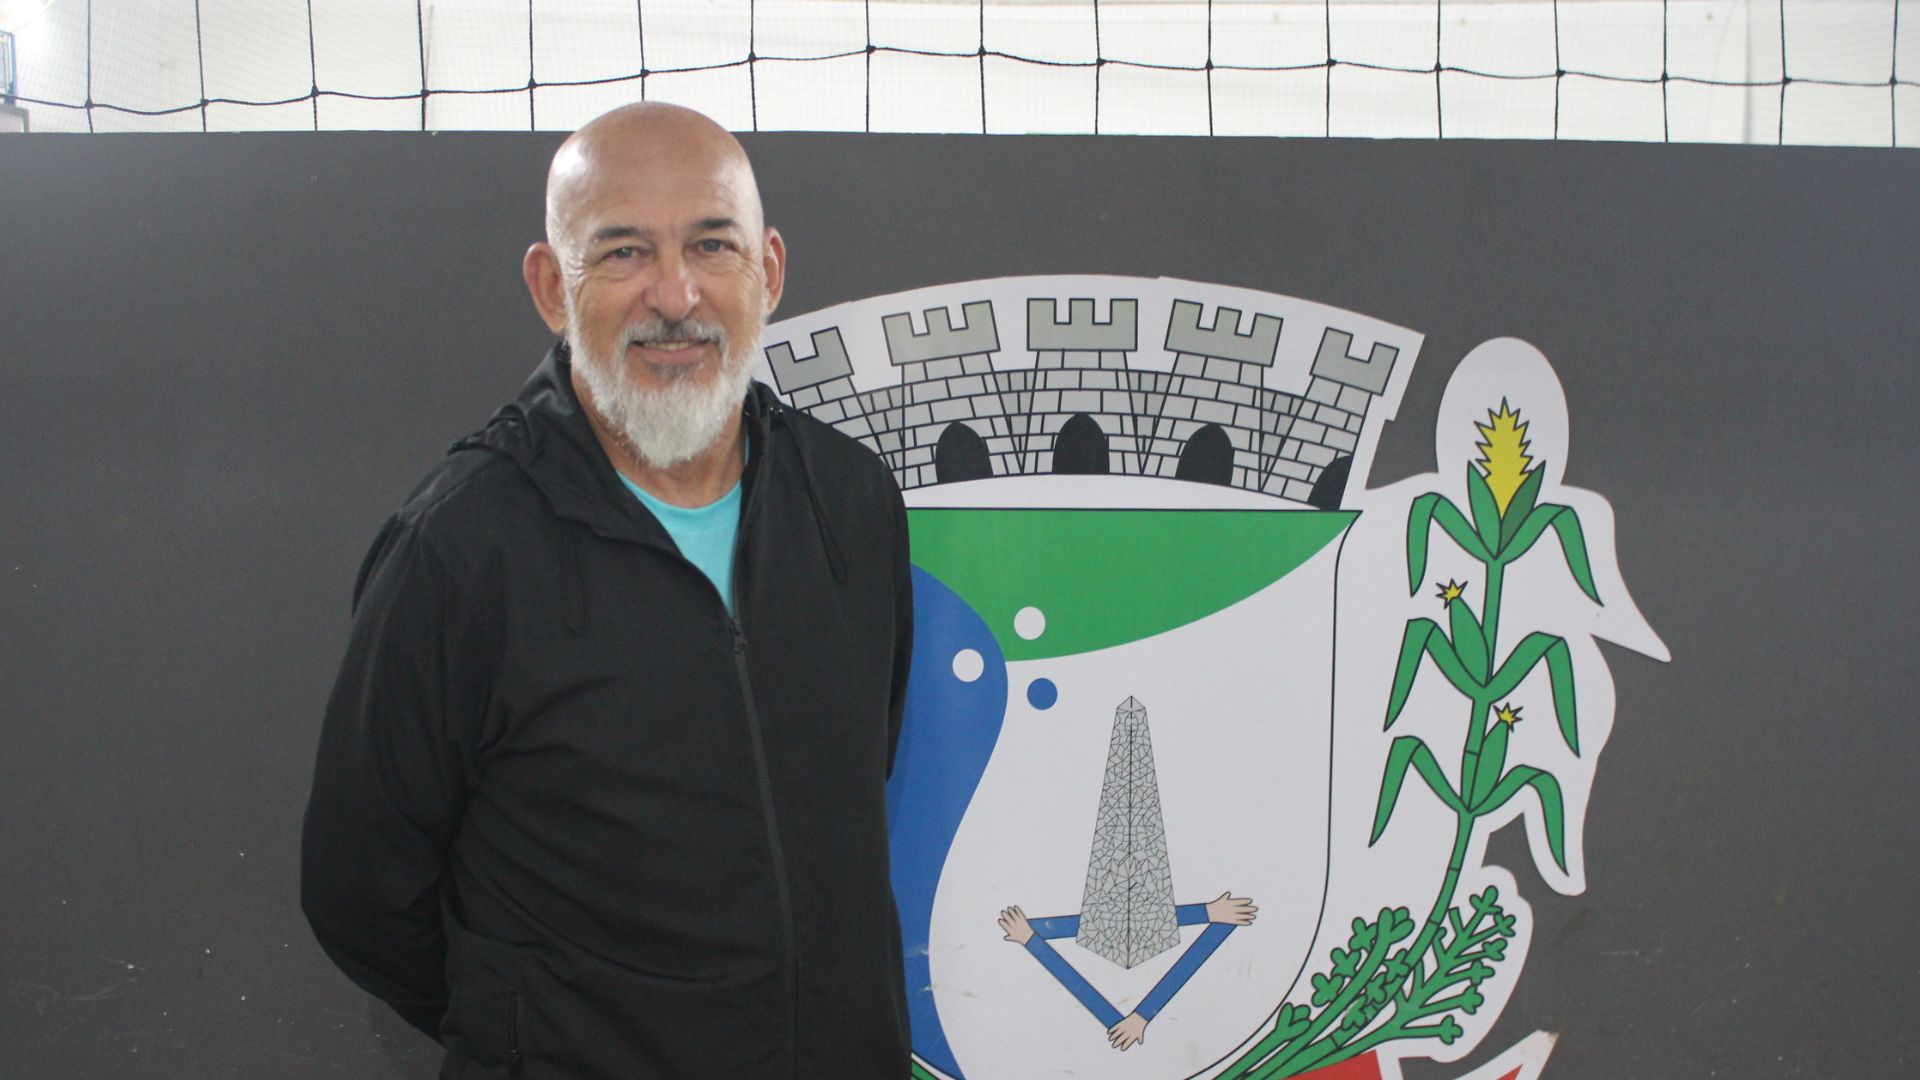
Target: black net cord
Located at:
point(313, 69)
point(983, 66)
point(1666, 114)
point(1893, 83)
point(1559, 69)
point(1785, 78)
point(420, 28)
point(90, 66)
point(200, 60)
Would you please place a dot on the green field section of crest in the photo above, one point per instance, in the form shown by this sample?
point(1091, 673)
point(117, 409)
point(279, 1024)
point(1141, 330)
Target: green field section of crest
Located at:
point(1108, 577)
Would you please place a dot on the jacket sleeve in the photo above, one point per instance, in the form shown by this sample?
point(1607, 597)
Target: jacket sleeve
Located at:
point(903, 624)
point(389, 781)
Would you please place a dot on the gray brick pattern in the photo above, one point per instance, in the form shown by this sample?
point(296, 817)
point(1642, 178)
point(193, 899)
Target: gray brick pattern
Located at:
point(1127, 912)
point(1282, 442)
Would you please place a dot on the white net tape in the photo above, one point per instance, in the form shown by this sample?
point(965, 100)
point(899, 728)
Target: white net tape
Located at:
point(1787, 71)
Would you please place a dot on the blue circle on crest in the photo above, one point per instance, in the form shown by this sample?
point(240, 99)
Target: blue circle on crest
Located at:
point(1042, 694)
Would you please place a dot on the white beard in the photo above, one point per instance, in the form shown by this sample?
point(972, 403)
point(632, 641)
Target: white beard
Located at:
point(673, 424)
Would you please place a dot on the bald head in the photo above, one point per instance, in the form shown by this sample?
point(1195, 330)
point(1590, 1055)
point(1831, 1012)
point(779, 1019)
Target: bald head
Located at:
point(643, 144)
point(659, 270)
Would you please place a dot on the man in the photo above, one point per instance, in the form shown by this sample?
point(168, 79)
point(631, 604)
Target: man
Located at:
point(600, 788)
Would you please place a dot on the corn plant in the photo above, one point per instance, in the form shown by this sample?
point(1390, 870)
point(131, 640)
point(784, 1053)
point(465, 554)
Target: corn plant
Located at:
point(1376, 989)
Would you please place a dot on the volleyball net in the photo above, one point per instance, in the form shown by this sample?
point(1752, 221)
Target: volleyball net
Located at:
point(1772, 71)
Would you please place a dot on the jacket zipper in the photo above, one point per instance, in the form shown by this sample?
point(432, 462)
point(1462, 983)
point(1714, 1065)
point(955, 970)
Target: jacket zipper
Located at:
point(737, 632)
point(762, 772)
point(781, 885)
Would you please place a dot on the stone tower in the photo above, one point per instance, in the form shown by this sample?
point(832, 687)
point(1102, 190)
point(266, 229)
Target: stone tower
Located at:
point(1127, 914)
point(1079, 379)
point(949, 424)
point(822, 384)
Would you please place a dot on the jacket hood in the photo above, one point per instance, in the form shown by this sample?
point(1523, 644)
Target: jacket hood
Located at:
point(545, 431)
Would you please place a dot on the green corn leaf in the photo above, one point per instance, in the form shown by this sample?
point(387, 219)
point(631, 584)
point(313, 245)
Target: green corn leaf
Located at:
point(1423, 635)
point(1448, 661)
point(1469, 639)
point(1524, 658)
point(1425, 512)
point(1493, 759)
point(1552, 807)
point(1565, 704)
point(1391, 781)
point(1449, 517)
point(1408, 750)
point(1573, 544)
point(1419, 524)
point(1412, 644)
point(1436, 779)
point(1521, 661)
point(1530, 529)
point(1486, 512)
point(1521, 504)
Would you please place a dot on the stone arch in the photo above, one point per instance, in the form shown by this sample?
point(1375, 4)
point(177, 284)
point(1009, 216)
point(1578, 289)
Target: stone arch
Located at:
point(1207, 458)
point(1332, 485)
point(960, 454)
point(1080, 448)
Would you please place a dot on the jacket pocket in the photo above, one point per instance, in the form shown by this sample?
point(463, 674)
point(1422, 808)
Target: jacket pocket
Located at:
point(484, 1029)
point(481, 1054)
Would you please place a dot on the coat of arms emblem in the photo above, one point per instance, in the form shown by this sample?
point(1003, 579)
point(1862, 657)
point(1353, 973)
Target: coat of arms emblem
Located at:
point(1205, 735)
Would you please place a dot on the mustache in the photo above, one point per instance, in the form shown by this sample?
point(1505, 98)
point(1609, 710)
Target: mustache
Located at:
point(690, 330)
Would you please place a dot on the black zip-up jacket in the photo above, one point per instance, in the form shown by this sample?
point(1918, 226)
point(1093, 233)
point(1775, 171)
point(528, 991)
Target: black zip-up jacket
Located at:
point(572, 819)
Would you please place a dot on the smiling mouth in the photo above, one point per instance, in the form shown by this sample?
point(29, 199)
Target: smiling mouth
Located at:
point(669, 347)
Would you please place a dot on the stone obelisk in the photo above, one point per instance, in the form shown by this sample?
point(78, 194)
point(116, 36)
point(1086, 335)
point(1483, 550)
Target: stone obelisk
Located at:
point(1127, 913)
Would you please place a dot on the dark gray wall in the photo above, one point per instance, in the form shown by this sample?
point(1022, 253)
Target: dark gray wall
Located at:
point(223, 359)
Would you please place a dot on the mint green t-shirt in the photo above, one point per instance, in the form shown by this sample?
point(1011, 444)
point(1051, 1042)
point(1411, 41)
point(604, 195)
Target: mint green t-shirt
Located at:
point(704, 534)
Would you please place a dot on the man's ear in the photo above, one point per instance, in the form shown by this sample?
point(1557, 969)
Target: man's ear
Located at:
point(773, 262)
point(541, 269)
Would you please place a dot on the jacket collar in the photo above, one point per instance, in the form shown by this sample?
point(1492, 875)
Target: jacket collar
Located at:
point(546, 432)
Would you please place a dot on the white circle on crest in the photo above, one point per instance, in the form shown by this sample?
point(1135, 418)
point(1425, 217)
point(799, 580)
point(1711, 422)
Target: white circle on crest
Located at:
point(968, 665)
point(1030, 622)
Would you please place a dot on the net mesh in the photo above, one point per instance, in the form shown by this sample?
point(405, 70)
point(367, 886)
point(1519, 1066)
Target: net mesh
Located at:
point(1779, 71)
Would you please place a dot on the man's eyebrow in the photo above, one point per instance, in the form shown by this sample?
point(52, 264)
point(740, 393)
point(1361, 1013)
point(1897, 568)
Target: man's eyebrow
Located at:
point(618, 232)
point(714, 224)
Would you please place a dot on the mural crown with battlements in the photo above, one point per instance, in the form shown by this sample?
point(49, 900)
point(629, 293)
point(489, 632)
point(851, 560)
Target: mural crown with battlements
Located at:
point(1265, 398)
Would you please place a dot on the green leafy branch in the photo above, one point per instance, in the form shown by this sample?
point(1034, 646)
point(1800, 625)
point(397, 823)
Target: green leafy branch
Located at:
point(1349, 993)
point(1464, 954)
point(1369, 978)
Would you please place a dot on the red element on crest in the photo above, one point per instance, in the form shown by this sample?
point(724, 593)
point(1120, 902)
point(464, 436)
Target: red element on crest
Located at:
point(1364, 1067)
point(1367, 1067)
